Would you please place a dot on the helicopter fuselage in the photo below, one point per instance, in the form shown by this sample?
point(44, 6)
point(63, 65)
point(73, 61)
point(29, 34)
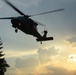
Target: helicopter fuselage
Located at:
point(26, 25)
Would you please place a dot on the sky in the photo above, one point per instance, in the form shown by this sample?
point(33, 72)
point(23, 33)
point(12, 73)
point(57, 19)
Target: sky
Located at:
point(25, 55)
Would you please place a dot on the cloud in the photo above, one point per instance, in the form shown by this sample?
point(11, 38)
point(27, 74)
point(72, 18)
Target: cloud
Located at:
point(31, 66)
point(46, 54)
point(42, 56)
point(48, 70)
point(58, 71)
point(12, 71)
point(25, 63)
point(32, 62)
point(51, 51)
point(72, 41)
point(37, 64)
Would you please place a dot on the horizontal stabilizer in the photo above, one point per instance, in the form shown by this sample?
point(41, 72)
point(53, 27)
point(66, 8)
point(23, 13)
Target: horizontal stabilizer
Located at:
point(45, 39)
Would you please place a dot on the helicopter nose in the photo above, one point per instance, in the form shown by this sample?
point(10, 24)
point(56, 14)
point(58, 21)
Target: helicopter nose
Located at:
point(12, 21)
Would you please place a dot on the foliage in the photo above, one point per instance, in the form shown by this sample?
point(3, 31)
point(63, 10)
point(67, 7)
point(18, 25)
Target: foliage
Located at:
point(3, 63)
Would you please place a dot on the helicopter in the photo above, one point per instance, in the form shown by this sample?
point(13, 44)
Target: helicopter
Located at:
point(28, 25)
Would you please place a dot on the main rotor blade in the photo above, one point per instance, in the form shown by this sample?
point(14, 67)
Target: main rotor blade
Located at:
point(7, 18)
point(39, 23)
point(48, 12)
point(10, 4)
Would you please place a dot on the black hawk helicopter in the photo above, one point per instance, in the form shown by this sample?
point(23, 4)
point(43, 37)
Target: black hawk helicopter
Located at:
point(27, 25)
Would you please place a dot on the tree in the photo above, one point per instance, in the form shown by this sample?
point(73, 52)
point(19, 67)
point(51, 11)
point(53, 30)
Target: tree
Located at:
point(3, 63)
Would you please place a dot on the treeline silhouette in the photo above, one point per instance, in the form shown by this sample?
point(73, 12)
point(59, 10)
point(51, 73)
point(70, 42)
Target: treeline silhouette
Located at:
point(3, 63)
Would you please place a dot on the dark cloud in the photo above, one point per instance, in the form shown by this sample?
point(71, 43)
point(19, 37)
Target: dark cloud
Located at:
point(50, 70)
point(58, 71)
point(24, 63)
point(11, 71)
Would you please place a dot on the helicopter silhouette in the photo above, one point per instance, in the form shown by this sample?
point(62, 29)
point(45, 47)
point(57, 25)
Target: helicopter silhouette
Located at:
point(28, 25)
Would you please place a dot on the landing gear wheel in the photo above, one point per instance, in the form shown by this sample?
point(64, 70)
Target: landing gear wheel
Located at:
point(16, 30)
